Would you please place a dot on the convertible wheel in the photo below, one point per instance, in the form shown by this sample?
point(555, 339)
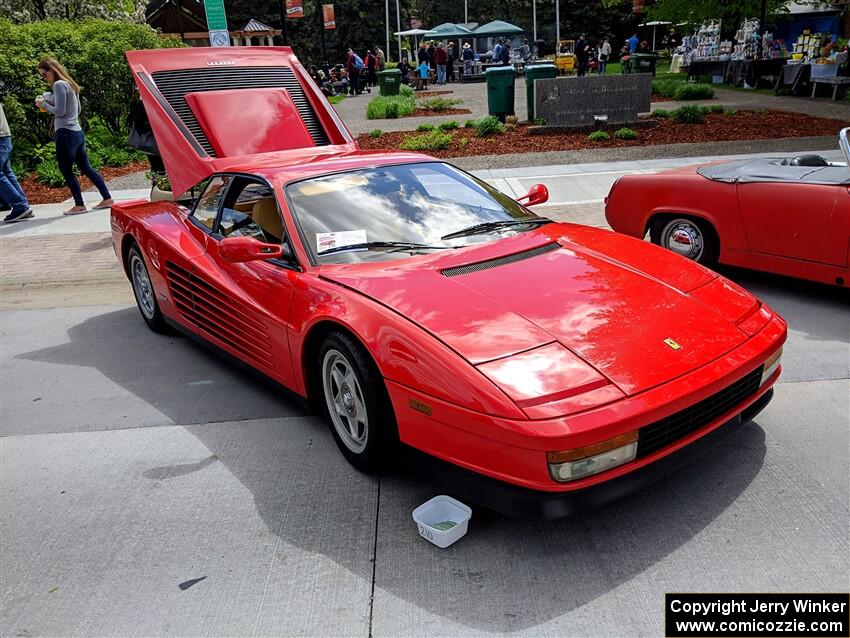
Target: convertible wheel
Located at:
point(687, 237)
point(357, 405)
point(144, 292)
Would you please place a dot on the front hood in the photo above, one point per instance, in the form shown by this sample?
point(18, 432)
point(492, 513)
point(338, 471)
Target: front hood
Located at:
point(613, 316)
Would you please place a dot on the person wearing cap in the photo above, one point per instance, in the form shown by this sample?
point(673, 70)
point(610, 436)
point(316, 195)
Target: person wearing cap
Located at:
point(11, 193)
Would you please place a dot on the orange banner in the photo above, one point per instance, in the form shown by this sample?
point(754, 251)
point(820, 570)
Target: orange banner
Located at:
point(328, 16)
point(294, 9)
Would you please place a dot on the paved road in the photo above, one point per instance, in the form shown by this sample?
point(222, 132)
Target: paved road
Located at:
point(132, 465)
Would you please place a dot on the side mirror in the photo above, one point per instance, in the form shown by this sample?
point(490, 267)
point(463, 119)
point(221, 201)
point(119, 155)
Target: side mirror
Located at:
point(237, 250)
point(537, 194)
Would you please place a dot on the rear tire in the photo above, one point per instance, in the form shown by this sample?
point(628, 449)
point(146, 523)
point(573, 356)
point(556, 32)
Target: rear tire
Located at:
point(356, 404)
point(691, 238)
point(144, 292)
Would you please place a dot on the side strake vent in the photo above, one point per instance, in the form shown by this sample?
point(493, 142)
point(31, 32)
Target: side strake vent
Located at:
point(501, 261)
point(208, 309)
point(174, 85)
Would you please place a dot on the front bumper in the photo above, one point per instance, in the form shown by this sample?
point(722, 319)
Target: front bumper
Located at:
point(523, 502)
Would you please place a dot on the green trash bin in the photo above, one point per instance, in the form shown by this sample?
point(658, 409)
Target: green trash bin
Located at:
point(389, 81)
point(536, 72)
point(643, 62)
point(500, 90)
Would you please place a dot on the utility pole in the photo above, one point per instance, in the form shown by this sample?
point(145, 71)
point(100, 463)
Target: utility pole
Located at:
point(281, 5)
point(398, 26)
point(762, 25)
point(557, 24)
point(387, 23)
point(534, 19)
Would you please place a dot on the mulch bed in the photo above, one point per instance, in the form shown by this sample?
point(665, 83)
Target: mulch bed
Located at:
point(743, 125)
point(420, 112)
point(431, 93)
point(38, 193)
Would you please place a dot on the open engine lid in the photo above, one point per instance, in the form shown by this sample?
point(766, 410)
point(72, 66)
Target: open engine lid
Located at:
point(205, 104)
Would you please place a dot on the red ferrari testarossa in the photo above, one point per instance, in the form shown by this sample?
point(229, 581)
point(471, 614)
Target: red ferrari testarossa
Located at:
point(785, 215)
point(534, 366)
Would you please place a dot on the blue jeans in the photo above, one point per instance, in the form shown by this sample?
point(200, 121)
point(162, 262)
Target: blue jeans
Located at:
point(441, 74)
point(10, 191)
point(71, 149)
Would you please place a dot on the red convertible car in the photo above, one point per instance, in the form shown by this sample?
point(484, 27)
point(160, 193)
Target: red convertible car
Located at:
point(533, 366)
point(789, 216)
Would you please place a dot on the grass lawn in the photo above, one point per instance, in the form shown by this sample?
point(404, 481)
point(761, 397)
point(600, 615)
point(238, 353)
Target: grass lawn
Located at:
point(336, 99)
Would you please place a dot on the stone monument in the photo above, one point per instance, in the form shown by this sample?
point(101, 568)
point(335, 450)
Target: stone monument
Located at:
point(583, 101)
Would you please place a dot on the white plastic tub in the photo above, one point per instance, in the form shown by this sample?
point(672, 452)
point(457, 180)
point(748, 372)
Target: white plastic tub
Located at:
point(442, 520)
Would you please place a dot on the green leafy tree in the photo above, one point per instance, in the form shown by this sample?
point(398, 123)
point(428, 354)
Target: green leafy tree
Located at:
point(32, 10)
point(93, 52)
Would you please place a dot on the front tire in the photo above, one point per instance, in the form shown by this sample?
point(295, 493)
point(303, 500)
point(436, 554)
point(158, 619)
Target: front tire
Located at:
point(693, 239)
point(356, 403)
point(144, 292)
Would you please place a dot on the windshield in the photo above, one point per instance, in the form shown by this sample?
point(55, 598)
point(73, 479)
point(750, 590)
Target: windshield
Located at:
point(410, 203)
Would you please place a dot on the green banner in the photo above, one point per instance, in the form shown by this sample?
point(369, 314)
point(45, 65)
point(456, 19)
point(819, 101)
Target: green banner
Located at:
point(216, 20)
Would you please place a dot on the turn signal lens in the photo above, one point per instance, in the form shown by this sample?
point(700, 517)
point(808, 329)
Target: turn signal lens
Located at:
point(570, 465)
point(770, 366)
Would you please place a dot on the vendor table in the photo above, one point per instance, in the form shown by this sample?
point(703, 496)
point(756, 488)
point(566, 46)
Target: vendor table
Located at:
point(751, 71)
point(794, 77)
point(836, 82)
point(699, 68)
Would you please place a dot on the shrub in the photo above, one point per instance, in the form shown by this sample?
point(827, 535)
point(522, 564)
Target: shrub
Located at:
point(48, 173)
point(451, 125)
point(93, 52)
point(540, 121)
point(730, 112)
point(598, 136)
point(424, 128)
point(469, 124)
point(375, 133)
point(626, 133)
point(511, 119)
point(716, 108)
point(463, 141)
point(439, 104)
point(679, 90)
point(661, 113)
point(488, 125)
point(686, 91)
point(390, 107)
point(406, 91)
point(691, 114)
point(433, 141)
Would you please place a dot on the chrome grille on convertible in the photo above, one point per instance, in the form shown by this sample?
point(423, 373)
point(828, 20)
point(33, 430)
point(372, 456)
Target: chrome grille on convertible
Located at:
point(174, 85)
point(676, 426)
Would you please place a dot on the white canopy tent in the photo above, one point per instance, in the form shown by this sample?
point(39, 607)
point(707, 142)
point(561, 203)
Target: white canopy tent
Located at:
point(414, 33)
point(654, 24)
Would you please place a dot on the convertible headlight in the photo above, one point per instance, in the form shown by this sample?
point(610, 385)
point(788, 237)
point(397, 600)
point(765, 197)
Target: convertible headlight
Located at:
point(570, 465)
point(770, 366)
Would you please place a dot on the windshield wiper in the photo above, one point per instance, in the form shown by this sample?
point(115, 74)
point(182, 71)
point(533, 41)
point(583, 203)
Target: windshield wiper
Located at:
point(391, 245)
point(496, 225)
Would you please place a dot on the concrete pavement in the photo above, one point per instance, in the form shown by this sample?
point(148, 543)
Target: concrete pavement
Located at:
point(149, 488)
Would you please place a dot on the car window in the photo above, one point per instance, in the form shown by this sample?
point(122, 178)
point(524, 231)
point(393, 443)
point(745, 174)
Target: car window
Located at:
point(250, 210)
point(208, 205)
point(417, 203)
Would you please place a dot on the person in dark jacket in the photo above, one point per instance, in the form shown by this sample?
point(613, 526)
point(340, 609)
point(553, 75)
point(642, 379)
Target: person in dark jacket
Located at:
point(450, 66)
point(431, 62)
point(505, 53)
point(582, 54)
point(440, 60)
point(422, 55)
point(371, 63)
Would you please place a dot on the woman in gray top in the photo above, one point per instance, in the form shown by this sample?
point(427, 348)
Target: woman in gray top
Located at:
point(64, 104)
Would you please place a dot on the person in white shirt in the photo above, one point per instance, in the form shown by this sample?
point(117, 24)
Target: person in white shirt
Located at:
point(603, 55)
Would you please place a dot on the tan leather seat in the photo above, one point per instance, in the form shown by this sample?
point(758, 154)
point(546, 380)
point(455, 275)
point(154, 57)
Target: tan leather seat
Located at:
point(266, 216)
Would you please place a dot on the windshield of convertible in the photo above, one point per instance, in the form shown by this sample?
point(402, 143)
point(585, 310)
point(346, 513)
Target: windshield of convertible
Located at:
point(391, 212)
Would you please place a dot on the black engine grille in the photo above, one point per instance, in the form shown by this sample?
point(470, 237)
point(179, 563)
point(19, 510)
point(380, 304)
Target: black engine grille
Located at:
point(676, 426)
point(501, 261)
point(174, 85)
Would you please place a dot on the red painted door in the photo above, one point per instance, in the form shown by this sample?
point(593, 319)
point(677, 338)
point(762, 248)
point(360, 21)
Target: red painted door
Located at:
point(810, 222)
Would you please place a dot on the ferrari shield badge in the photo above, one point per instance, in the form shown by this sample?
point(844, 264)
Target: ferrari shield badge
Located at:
point(675, 345)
